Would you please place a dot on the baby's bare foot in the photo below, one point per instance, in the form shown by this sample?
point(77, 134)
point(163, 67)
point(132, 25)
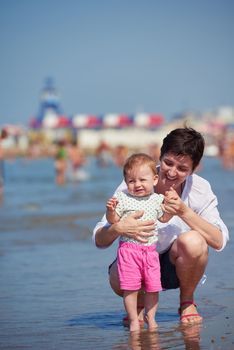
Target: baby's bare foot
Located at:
point(134, 325)
point(152, 324)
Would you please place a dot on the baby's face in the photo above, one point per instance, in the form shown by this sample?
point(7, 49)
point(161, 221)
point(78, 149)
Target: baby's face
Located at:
point(141, 181)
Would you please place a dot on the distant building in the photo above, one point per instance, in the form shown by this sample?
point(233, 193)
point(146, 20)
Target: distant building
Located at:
point(55, 125)
point(50, 114)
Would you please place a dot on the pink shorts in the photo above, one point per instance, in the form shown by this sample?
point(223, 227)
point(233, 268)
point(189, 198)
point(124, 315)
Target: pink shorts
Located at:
point(138, 266)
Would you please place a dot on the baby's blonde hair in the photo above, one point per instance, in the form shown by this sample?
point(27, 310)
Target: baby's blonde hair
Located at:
point(138, 159)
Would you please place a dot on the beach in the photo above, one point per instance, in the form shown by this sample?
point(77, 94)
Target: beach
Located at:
point(54, 291)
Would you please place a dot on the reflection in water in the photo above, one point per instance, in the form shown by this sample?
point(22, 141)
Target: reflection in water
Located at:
point(185, 336)
point(144, 340)
point(167, 336)
point(191, 335)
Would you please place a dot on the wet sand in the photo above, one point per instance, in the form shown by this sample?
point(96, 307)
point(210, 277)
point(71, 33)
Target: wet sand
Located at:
point(54, 291)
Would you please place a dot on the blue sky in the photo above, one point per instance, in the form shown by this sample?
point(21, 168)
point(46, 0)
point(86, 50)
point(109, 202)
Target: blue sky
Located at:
point(120, 56)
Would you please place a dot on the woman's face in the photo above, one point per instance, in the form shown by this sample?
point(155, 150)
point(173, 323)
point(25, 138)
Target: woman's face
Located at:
point(174, 169)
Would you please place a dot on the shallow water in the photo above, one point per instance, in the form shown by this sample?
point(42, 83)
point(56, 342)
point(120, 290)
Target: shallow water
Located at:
point(54, 291)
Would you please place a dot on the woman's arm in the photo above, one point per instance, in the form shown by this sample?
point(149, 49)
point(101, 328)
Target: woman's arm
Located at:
point(130, 227)
point(210, 232)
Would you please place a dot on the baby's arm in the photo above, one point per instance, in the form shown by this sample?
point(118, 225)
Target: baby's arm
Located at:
point(111, 215)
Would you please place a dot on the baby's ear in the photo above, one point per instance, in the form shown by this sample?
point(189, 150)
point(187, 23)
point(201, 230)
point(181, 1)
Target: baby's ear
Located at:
point(155, 179)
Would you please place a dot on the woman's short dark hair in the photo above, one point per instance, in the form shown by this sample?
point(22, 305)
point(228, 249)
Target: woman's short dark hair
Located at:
point(184, 141)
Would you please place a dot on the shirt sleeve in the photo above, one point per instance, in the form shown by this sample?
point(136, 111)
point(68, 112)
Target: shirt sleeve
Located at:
point(205, 203)
point(103, 222)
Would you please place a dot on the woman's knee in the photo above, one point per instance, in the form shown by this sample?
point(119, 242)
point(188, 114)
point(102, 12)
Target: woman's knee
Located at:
point(114, 279)
point(193, 244)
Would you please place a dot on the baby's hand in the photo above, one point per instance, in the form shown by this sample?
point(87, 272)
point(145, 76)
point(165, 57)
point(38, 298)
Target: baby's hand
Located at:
point(173, 204)
point(111, 204)
point(171, 194)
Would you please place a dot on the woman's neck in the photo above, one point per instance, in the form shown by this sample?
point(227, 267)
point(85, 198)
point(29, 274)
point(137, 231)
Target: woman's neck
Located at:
point(161, 189)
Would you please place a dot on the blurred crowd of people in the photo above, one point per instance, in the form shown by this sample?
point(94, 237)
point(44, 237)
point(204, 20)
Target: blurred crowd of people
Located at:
point(70, 158)
point(226, 150)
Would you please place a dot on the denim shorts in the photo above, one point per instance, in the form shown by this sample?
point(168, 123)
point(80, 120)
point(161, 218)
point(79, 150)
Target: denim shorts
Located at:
point(169, 279)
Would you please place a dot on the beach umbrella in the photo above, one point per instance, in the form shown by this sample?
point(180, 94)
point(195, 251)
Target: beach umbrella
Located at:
point(89, 121)
point(63, 122)
point(125, 120)
point(114, 120)
point(79, 120)
point(147, 120)
point(94, 122)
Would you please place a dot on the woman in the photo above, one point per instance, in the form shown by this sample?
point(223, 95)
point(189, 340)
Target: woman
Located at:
point(183, 241)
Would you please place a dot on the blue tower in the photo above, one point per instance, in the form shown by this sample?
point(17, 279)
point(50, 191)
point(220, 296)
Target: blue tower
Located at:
point(49, 101)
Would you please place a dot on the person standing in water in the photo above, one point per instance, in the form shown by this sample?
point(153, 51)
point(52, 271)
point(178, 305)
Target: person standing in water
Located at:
point(139, 262)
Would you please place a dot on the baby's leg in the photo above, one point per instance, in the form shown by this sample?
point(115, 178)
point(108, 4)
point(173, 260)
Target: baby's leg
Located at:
point(130, 303)
point(151, 305)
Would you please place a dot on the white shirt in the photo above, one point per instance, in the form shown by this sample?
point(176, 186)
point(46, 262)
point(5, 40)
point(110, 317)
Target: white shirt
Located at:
point(197, 195)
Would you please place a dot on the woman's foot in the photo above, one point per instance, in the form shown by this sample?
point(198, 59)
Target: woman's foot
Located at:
point(188, 312)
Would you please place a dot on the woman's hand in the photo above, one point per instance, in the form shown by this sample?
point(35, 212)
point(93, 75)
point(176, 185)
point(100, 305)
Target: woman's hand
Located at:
point(134, 228)
point(173, 203)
